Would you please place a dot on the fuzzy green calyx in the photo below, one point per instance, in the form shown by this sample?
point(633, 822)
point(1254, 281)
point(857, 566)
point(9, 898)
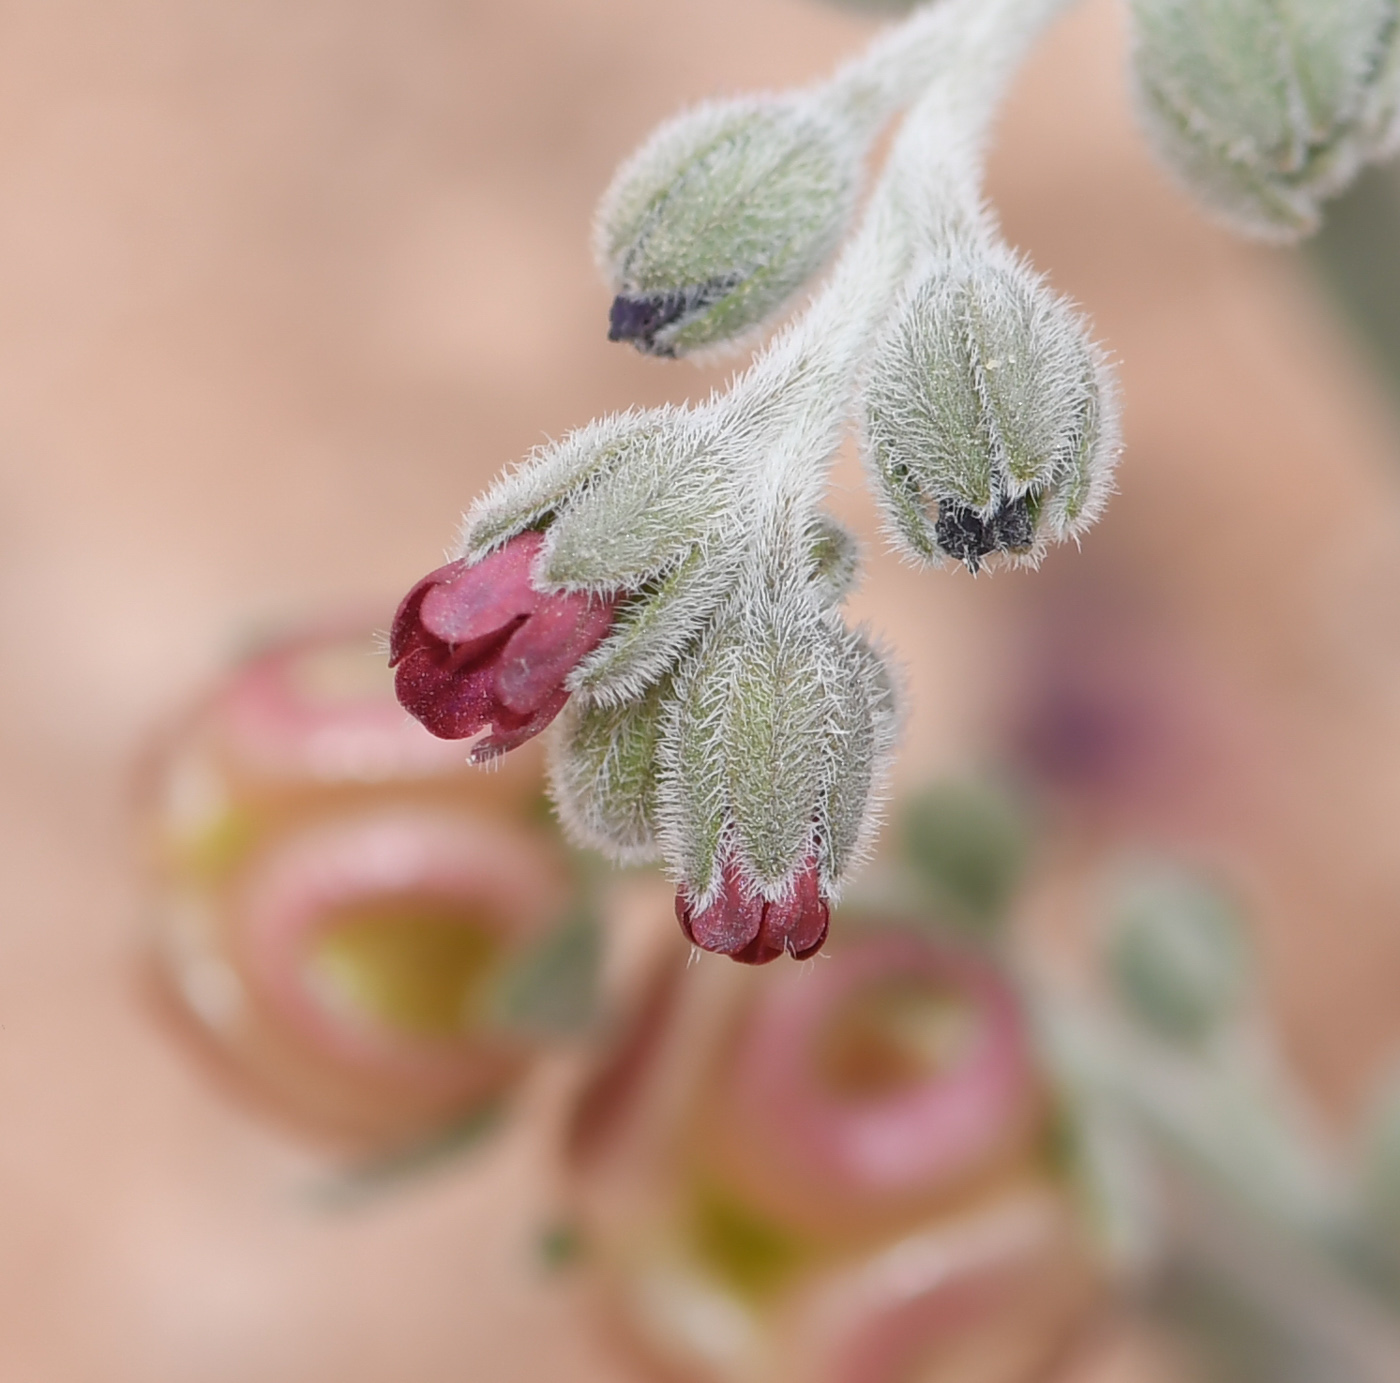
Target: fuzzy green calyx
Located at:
point(774, 749)
point(989, 420)
point(721, 216)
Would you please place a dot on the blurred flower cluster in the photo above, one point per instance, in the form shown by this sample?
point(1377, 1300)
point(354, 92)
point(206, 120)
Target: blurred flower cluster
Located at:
point(358, 927)
point(849, 1175)
point(927, 1153)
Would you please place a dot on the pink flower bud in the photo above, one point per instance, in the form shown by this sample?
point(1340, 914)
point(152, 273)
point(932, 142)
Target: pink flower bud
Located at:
point(744, 925)
point(474, 644)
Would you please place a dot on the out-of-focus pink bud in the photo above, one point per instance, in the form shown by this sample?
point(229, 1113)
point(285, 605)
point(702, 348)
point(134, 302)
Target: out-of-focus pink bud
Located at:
point(474, 644)
point(346, 977)
point(839, 1174)
point(993, 1293)
point(744, 925)
point(888, 1080)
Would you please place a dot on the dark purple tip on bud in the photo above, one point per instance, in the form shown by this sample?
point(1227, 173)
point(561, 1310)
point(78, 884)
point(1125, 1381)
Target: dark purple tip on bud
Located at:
point(639, 319)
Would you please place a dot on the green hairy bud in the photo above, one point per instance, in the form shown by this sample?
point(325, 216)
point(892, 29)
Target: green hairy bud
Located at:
point(774, 748)
point(1266, 108)
point(990, 415)
point(603, 774)
point(721, 215)
point(968, 843)
point(607, 453)
point(1177, 954)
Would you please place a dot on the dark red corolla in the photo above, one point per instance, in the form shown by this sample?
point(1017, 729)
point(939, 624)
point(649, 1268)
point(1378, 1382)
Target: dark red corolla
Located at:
point(744, 925)
point(474, 644)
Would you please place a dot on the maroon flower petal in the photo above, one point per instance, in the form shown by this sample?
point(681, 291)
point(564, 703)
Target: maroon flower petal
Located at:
point(730, 923)
point(800, 952)
point(754, 931)
point(475, 645)
point(452, 703)
point(548, 646)
point(757, 952)
point(510, 731)
point(407, 632)
point(472, 601)
point(798, 924)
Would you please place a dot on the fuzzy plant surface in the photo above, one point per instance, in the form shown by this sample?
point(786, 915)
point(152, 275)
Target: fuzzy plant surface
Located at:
point(667, 578)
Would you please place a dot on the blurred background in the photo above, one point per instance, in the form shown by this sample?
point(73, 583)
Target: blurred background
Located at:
point(282, 286)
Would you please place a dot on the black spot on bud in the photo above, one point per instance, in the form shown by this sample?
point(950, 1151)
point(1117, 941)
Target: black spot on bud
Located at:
point(639, 319)
point(1013, 525)
point(964, 535)
point(642, 320)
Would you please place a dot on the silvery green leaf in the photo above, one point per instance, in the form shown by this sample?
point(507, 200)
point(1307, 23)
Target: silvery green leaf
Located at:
point(1380, 1160)
point(968, 843)
point(692, 802)
point(721, 215)
point(1083, 480)
point(552, 990)
point(776, 746)
point(654, 627)
point(603, 773)
point(548, 479)
point(1266, 108)
point(984, 396)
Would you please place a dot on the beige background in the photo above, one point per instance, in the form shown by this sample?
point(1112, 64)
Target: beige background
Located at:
point(281, 286)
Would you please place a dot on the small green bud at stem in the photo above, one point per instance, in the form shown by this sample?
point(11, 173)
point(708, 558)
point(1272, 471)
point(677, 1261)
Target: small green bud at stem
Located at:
point(721, 215)
point(985, 419)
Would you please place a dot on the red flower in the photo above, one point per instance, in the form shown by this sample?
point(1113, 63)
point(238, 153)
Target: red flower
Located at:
point(741, 923)
point(475, 644)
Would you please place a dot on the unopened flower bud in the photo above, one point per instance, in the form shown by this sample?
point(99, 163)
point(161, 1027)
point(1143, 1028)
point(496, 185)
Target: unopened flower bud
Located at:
point(1266, 109)
point(474, 644)
point(720, 216)
point(770, 760)
point(967, 844)
point(989, 415)
point(744, 925)
point(625, 451)
point(1177, 955)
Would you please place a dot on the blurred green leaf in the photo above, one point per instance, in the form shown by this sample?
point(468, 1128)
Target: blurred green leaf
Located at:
point(968, 844)
point(1177, 952)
